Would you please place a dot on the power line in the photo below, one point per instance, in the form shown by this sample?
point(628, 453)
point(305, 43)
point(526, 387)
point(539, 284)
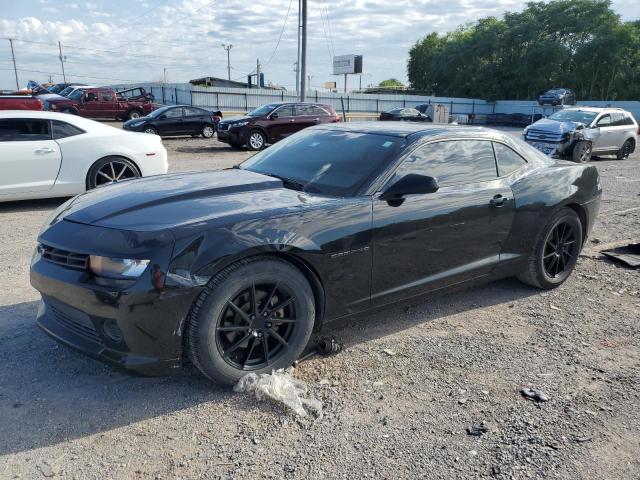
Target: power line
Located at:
point(74, 75)
point(329, 27)
point(284, 24)
point(326, 37)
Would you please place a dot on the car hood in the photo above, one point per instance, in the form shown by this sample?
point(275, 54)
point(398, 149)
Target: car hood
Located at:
point(237, 119)
point(178, 200)
point(146, 118)
point(554, 126)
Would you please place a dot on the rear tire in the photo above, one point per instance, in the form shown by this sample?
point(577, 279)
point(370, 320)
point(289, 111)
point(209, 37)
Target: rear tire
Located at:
point(235, 326)
point(556, 252)
point(110, 170)
point(581, 152)
point(133, 114)
point(625, 150)
point(208, 131)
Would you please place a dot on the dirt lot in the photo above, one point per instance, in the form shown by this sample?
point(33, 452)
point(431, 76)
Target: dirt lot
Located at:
point(452, 362)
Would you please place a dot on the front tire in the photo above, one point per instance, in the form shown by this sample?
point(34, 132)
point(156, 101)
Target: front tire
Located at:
point(257, 140)
point(625, 150)
point(556, 253)
point(151, 130)
point(254, 316)
point(581, 152)
point(111, 170)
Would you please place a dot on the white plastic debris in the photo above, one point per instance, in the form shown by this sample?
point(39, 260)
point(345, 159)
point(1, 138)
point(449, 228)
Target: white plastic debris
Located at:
point(281, 387)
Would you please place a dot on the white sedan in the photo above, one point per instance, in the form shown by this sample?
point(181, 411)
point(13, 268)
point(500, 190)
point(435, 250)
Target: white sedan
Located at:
point(48, 154)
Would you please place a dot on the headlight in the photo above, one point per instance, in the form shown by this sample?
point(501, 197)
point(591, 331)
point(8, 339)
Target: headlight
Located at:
point(118, 268)
point(238, 124)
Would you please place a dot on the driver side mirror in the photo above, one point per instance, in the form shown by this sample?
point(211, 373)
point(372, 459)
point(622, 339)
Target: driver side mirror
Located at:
point(411, 184)
point(162, 117)
point(273, 116)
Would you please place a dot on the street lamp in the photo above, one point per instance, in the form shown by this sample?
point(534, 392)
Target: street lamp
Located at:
point(228, 49)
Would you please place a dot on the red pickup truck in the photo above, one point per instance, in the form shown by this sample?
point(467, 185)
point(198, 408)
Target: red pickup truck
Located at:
point(20, 102)
point(102, 103)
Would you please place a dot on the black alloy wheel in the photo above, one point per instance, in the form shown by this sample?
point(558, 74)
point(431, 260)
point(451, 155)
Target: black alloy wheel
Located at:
point(207, 131)
point(556, 251)
point(256, 326)
point(559, 250)
point(625, 150)
point(151, 130)
point(255, 315)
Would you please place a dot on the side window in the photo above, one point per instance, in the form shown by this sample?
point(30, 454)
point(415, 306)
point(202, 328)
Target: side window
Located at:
point(192, 112)
point(452, 162)
point(174, 113)
point(286, 111)
point(63, 130)
point(318, 111)
point(619, 120)
point(106, 97)
point(24, 130)
point(304, 110)
point(604, 121)
point(508, 160)
point(91, 97)
point(627, 119)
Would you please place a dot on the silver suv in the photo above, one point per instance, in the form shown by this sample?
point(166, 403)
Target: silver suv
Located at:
point(580, 132)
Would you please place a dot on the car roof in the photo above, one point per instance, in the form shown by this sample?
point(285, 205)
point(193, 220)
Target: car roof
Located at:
point(406, 129)
point(84, 123)
point(585, 108)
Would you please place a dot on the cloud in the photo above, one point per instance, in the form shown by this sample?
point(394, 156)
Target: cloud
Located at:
point(137, 39)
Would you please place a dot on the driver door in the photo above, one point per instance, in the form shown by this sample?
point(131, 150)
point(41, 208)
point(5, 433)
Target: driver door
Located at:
point(430, 241)
point(282, 124)
point(171, 122)
point(30, 159)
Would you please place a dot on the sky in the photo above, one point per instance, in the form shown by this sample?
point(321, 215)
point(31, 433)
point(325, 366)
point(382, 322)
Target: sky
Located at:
point(124, 41)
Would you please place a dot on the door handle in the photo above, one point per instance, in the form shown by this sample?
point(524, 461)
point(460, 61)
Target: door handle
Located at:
point(291, 121)
point(498, 200)
point(45, 150)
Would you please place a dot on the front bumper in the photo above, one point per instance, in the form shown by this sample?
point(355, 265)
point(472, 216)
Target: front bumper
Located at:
point(134, 325)
point(232, 136)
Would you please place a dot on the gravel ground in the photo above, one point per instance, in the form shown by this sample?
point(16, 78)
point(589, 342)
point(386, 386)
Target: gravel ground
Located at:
point(398, 400)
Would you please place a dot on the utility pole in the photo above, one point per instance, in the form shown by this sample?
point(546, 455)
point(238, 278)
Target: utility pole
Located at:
point(258, 73)
point(15, 70)
point(298, 57)
point(228, 49)
point(303, 54)
point(164, 75)
point(64, 76)
point(309, 77)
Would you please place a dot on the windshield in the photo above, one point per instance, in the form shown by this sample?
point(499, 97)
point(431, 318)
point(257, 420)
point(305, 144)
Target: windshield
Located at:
point(579, 116)
point(76, 95)
point(555, 90)
point(335, 162)
point(67, 91)
point(262, 111)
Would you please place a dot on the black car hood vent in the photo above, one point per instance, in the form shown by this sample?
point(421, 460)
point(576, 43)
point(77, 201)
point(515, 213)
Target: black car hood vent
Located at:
point(168, 200)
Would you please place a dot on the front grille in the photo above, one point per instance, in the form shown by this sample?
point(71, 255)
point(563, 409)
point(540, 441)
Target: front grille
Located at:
point(64, 257)
point(76, 322)
point(223, 127)
point(543, 136)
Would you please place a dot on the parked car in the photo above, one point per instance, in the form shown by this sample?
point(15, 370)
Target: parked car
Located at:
point(177, 120)
point(512, 119)
point(100, 103)
point(20, 102)
point(558, 96)
point(46, 154)
point(273, 122)
point(405, 115)
point(59, 87)
point(245, 263)
point(578, 133)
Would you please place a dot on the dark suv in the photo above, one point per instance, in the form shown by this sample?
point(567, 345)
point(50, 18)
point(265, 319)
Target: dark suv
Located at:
point(272, 122)
point(557, 96)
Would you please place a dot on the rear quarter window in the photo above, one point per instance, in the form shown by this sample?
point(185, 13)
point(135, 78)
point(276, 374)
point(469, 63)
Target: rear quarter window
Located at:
point(24, 130)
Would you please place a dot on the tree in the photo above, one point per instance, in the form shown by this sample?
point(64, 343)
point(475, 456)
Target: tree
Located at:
point(579, 44)
point(391, 83)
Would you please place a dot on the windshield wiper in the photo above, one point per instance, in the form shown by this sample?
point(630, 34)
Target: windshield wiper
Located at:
point(287, 182)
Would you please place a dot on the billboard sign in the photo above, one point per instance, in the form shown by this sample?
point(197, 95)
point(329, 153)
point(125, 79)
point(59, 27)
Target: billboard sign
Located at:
point(343, 64)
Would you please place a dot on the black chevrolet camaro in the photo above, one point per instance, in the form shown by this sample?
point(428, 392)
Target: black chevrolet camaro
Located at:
point(235, 269)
